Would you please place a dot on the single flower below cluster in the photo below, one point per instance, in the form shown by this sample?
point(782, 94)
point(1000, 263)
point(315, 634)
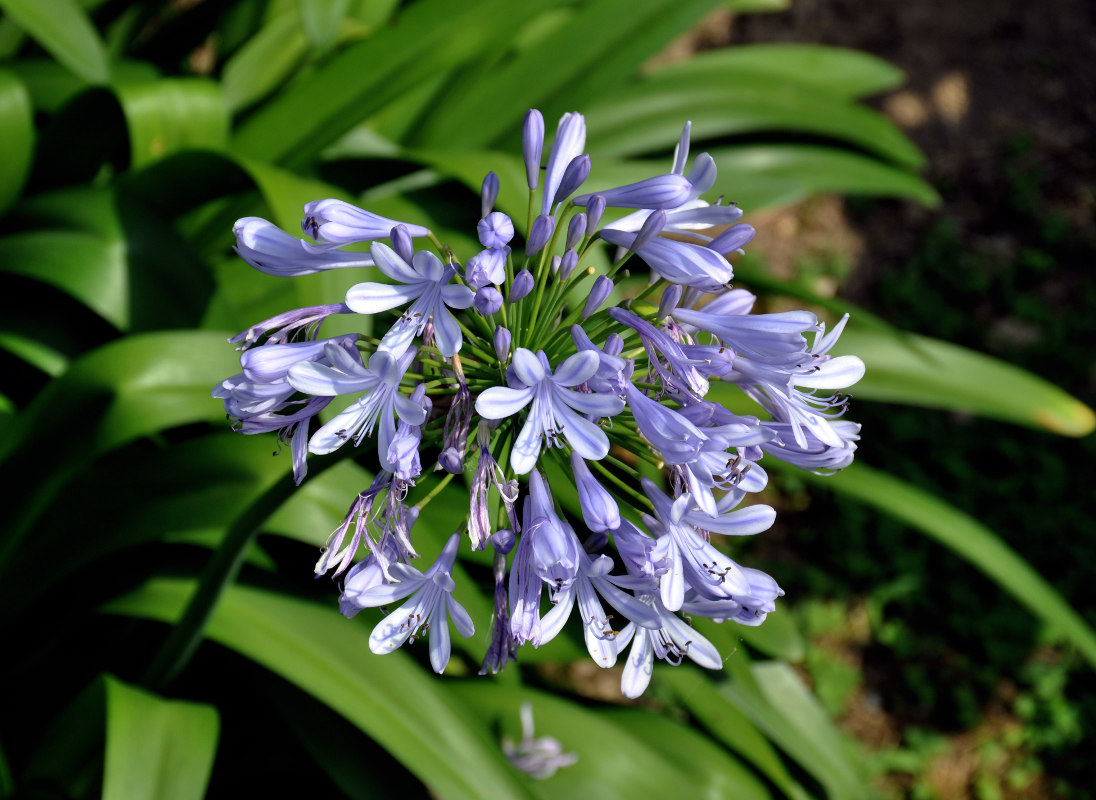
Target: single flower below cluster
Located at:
point(567, 382)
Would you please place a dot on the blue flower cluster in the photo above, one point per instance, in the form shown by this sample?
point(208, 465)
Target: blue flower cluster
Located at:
point(512, 360)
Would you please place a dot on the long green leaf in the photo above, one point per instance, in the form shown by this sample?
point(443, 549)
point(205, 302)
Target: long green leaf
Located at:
point(168, 115)
point(156, 749)
point(973, 541)
point(389, 697)
point(265, 61)
point(48, 256)
point(63, 30)
point(848, 73)
point(928, 372)
point(17, 134)
point(609, 754)
point(367, 76)
point(649, 117)
point(714, 768)
point(498, 99)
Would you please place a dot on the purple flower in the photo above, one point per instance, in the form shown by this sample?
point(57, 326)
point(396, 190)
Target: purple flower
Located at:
point(569, 143)
point(672, 642)
point(661, 191)
point(269, 249)
point(431, 600)
point(532, 144)
point(553, 407)
point(379, 380)
point(495, 230)
point(679, 262)
point(425, 283)
point(339, 222)
point(599, 509)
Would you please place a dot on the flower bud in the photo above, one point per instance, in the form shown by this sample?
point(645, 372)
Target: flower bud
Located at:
point(670, 298)
point(401, 243)
point(734, 238)
point(594, 209)
point(502, 340)
point(573, 177)
point(523, 284)
point(652, 227)
point(489, 193)
point(532, 145)
point(495, 230)
point(487, 300)
point(567, 264)
point(575, 229)
point(601, 290)
point(540, 234)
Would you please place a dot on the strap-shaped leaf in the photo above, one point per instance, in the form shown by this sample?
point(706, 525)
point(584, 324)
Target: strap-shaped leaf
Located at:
point(266, 60)
point(156, 749)
point(17, 134)
point(494, 102)
point(371, 74)
point(967, 537)
point(929, 372)
point(397, 703)
point(65, 32)
point(649, 117)
point(172, 114)
point(835, 70)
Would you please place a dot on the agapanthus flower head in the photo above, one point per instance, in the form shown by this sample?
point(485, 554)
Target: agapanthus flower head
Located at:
point(568, 378)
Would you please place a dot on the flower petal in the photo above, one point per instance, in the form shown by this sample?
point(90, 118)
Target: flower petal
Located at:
point(500, 402)
point(372, 298)
point(527, 367)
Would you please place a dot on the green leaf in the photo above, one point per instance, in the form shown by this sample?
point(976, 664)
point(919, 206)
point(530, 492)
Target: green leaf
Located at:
point(726, 723)
point(267, 59)
point(156, 749)
point(49, 256)
point(366, 77)
point(968, 538)
point(847, 73)
point(17, 134)
point(65, 32)
point(321, 20)
point(407, 711)
point(718, 773)
point(34, 352)
point(928, 372)
point(649, 117)
point(760, 176)
point(172, 114)
point(496, 101)
point(121, 260)
point(609, 754)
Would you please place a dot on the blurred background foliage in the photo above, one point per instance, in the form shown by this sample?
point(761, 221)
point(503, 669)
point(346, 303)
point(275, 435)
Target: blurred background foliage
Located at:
point(163, 635)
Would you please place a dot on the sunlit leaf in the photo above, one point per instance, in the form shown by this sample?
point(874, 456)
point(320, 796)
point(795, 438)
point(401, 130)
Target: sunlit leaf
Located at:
point(264, 62)
point(17, 134)
point(172, 114)
point(396, 702)
point(936, 374)
point(63, 30)
point(848, 73)
point(156, 749)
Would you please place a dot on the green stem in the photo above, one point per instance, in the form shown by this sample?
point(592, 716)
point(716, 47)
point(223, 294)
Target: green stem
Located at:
point(221, 571)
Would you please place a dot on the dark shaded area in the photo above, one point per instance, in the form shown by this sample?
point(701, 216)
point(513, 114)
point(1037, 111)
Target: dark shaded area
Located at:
point(1002, 99)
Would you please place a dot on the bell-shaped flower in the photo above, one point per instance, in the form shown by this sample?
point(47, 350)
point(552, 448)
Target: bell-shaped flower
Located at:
point(689, 559)
point(599, 509)
point(678, 262)
point(673, 641)
point(379, 380)
point(569, 143)
point(339, 222)
point(269, 249)
point(425, 283)
point(555, 408)
point(431, 601)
